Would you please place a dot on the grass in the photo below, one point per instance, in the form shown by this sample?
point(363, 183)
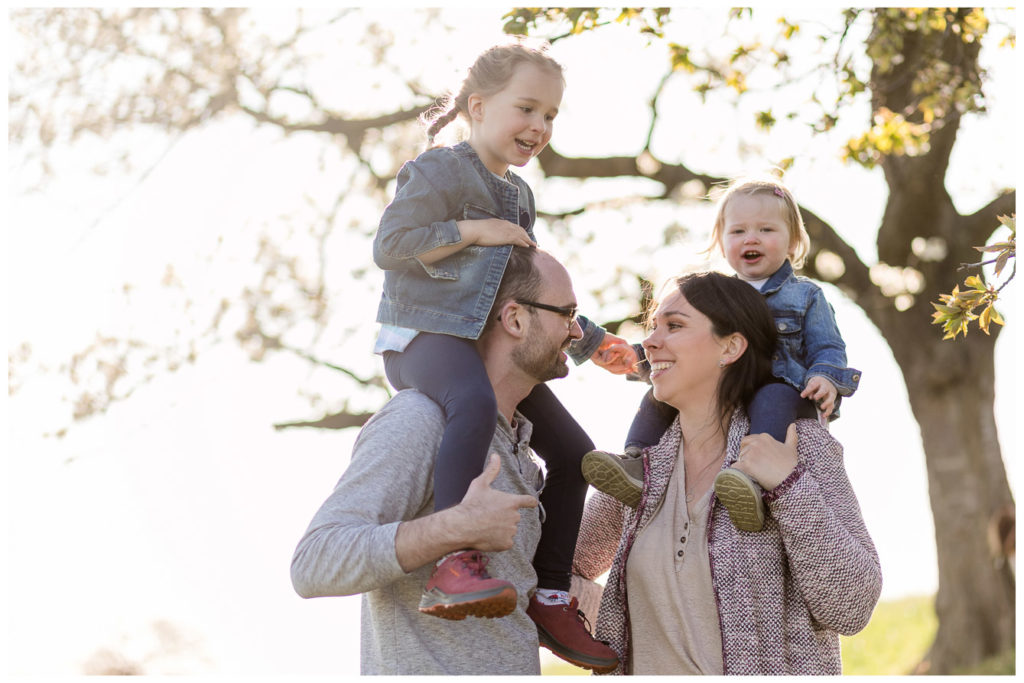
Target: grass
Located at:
point(894, 641)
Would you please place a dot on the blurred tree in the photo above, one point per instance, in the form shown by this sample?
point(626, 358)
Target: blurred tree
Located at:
point(914, 72)
point(924, 77)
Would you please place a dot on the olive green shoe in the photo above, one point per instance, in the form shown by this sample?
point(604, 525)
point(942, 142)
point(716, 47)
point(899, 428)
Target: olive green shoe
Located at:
point(620, 476)
point(741, 496)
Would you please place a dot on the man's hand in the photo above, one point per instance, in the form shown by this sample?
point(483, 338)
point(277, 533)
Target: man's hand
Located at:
point(820, 390)
point(766, 460)
point(491, 517)
point(485, 519)
point(615, 355)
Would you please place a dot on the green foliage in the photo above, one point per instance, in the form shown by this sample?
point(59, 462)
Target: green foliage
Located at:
point(927, 47)
point(522, 20)
point(765, 120)
point(891, 134)
point(959, 308)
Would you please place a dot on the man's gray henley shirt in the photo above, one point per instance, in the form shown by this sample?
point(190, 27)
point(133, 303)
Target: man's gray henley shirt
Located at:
point(349, 548)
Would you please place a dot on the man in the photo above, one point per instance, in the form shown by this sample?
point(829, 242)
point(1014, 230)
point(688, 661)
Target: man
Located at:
point(377, 533)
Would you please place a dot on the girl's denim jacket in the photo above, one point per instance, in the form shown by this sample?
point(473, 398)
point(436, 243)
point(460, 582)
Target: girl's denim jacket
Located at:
point(809, 340)
point(454, 295)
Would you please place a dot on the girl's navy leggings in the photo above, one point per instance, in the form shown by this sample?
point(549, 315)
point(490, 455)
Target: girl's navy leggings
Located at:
point(450, 371)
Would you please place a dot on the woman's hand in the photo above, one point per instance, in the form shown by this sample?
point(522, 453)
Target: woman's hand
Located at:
point(820, 390)
point(493, 232)
point(615, 355)
point(766, 460)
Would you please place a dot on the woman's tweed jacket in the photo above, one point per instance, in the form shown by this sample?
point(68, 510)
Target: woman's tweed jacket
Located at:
point(785, 593)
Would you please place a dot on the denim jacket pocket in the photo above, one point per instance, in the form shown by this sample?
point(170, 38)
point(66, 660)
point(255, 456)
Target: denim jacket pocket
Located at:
point(445, 269)
point(790, 331)
point(473, 211)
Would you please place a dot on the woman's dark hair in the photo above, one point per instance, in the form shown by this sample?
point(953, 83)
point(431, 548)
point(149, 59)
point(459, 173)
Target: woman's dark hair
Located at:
point(732, 305)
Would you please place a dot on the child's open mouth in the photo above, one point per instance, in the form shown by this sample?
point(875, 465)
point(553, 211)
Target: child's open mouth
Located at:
point(525, 146)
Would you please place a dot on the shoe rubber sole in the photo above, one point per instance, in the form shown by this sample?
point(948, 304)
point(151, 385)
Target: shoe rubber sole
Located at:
point(492, 604)
point(597, 664)
point(605, 473)
point(741, 496)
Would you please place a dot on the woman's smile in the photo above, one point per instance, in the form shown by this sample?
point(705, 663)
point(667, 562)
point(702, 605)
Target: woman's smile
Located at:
point(658, 367)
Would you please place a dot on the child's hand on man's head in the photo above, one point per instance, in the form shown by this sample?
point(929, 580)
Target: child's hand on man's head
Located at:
point(493, 232)
point(820, 390)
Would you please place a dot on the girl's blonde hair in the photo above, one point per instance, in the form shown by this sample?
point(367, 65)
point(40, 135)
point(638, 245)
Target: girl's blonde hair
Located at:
point(491, 72)
point(799, 240)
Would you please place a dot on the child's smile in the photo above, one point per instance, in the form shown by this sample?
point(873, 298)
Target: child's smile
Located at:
point(514, 124)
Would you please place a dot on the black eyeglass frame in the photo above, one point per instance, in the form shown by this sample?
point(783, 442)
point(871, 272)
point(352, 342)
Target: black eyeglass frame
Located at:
point(569, 312)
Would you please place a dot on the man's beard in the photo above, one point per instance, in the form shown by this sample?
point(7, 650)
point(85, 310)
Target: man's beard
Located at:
point(540, 359)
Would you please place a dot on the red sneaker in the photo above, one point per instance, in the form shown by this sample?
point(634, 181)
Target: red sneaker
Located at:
point(564, 630)
point(460, 587)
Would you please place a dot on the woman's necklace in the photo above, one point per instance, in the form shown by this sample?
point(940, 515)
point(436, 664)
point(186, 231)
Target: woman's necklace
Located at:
point(693, 483)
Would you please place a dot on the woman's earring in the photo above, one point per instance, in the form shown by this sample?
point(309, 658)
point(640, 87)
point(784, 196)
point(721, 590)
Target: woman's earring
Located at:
point(721, 363)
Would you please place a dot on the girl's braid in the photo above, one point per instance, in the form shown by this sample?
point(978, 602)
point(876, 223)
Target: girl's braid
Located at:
point(439, 123)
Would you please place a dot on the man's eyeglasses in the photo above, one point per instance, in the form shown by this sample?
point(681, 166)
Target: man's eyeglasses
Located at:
point(568, 312)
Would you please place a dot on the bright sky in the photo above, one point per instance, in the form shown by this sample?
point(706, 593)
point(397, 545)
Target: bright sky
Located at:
point(183, 504)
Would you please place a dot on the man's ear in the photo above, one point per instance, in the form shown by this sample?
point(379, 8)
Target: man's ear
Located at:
point(733, 348)
point(512, 319)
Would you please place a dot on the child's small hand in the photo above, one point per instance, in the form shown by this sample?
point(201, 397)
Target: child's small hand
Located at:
point(494, 232)
point(615, 355)
point(823, 392)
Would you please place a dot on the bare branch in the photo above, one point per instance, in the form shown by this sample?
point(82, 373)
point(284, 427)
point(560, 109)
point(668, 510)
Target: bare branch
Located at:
point(983, 222)
point(342, 420)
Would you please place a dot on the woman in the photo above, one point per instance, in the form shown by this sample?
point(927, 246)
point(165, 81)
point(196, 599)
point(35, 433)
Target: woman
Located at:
point(689, 593)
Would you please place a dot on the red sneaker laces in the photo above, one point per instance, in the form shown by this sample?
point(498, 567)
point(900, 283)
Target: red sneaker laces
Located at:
point(476, 563)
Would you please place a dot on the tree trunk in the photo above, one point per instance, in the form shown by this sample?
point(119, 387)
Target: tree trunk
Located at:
point(951, 390)
point(950, 383)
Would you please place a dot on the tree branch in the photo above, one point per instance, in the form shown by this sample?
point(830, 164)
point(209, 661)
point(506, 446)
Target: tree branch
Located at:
point(342, 420)
point(983, 222)
point(856, 278)
point(670, 176)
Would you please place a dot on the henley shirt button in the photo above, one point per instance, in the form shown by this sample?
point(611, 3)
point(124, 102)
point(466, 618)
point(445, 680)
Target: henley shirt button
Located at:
point(682, 539)
point(680, 553)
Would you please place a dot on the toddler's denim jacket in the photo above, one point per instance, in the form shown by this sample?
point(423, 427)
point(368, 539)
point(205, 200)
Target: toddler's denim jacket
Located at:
point(809, 340)
point(454, 295)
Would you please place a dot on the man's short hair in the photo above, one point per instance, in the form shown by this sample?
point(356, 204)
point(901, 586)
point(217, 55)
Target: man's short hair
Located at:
point(522, 281)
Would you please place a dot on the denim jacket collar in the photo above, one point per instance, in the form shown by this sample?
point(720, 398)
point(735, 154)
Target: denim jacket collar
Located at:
point(778, 278)
point(496, 186)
